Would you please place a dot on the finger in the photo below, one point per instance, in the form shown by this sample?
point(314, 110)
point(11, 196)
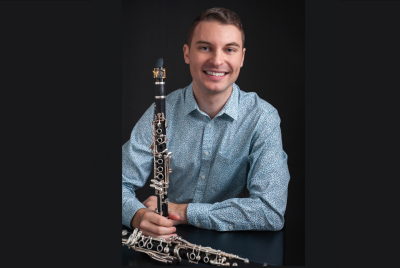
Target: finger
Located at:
point(174, 216)
point(149, 203)
point(159, 220)
point(151, 208)
point(148, 226)
point(147, 233)
point(159, 230)
point(176, 223)
point(146, 201)
point(159, 225)
point(150, 200)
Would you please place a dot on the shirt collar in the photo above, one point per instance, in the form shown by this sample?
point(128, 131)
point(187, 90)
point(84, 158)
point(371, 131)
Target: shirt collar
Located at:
point(190, 102)
point(230, 108)
point(232, 105)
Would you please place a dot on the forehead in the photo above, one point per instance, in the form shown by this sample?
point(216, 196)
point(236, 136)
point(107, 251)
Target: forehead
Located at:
point(217, 33)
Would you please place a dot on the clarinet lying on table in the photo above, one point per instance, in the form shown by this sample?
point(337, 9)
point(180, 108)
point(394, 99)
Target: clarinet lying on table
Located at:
point(175, 248)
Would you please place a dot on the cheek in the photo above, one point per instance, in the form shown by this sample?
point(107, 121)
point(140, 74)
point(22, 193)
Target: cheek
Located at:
point(195, 66)
point(238, 64)
point(192, 68)
point(198, 61)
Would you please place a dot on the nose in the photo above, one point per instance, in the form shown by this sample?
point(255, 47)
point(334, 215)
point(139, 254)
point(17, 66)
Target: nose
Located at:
point(217, 58)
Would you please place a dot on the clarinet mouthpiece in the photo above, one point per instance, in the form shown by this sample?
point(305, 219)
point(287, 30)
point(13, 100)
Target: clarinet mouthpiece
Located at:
point(159, 63)
point(159, 70)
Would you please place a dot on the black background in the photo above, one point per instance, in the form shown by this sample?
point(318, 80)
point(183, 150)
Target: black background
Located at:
point(273, 68)
point(61, 96)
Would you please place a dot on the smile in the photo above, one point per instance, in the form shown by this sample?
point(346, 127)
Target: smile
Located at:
point(215, 73)
point(215, 76)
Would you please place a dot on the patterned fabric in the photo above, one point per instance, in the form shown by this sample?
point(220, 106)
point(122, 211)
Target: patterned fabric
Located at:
point(231, 170)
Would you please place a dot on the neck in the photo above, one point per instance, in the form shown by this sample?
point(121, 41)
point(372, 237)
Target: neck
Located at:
point(211, 103)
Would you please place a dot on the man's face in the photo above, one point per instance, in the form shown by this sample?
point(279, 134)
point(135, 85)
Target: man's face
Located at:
point(215, 56)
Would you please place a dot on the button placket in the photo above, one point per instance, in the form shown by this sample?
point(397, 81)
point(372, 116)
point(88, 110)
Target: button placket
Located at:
point(205, 163)
point(207, 142)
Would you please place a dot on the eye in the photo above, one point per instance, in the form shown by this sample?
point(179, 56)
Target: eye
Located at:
point(231, 50)
point(204, 48)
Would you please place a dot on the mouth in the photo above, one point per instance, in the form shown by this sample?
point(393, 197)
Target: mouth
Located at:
point(216, 75)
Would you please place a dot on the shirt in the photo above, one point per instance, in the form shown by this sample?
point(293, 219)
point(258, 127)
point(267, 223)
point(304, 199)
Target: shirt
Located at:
point(231, 170)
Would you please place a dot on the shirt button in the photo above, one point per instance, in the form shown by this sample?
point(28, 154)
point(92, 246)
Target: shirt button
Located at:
point(198, 224)
point(230, 227)
point(209, 125)
point(206, 153)
point(203, 177)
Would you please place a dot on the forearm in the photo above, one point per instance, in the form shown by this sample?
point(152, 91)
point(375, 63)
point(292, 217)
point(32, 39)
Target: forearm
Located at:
point(236, 214)
point(130, 205)
point(134, 175)
point(136, 166)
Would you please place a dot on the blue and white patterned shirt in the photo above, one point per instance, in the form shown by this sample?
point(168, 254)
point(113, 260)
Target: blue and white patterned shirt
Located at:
point(231, 170)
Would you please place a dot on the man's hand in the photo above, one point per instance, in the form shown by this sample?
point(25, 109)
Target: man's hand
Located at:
point(176, 212)
point(152, 224)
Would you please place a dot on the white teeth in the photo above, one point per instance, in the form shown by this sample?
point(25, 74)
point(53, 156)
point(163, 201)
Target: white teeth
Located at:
point(215, 74)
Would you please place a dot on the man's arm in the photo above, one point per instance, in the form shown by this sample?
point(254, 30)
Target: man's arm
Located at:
point(136, 166)
point(267, 183)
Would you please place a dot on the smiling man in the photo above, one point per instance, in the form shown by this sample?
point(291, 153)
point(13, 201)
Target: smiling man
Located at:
point(215, 58)
point(229, 169)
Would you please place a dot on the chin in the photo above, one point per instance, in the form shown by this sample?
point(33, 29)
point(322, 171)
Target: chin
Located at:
point(216, 88)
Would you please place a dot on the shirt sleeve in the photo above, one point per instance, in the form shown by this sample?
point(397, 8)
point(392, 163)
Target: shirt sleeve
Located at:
point(267, 182)
point(136, 165)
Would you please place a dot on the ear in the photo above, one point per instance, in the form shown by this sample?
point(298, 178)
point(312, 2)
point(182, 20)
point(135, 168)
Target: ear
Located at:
point(186, 53)
point(244, 50)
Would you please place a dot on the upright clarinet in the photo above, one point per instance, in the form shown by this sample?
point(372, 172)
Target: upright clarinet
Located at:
point(175, 248)
point(158, 147)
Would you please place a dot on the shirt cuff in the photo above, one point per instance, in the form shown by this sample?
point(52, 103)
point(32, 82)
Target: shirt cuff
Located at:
point(129, 210)
point(198, 214)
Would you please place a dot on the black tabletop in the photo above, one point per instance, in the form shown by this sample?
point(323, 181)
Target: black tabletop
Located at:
point(258, 246)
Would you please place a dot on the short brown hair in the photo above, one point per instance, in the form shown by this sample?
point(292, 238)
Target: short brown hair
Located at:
point(223, 15)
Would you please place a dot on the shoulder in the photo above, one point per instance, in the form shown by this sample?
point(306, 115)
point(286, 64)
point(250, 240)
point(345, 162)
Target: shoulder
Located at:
point(250, 104)
point(172, 100)
point(175, 102)
point(261, 117)
point(176, 95)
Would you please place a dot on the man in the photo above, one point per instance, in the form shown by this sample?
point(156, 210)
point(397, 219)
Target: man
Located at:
point(229, 169)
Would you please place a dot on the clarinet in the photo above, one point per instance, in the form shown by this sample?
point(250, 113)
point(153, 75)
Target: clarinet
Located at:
point(158, 147)
point(175, 248)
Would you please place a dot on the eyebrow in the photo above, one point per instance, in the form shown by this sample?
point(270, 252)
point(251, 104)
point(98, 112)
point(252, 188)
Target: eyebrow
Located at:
point(208, 43)
point(233, 44)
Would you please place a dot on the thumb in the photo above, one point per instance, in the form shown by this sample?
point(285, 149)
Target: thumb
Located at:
point(151, 208)
point(175, 223)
